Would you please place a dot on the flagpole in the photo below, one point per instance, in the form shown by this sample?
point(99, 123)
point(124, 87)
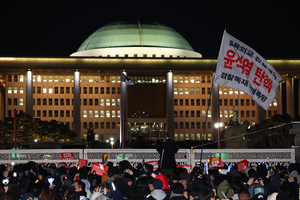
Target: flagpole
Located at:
point(209, 101)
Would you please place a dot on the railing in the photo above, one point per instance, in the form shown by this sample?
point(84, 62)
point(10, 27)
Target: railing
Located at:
point(134, 156)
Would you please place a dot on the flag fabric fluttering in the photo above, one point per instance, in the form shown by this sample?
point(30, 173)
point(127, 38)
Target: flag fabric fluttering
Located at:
point(241, 67)
point(124, 78)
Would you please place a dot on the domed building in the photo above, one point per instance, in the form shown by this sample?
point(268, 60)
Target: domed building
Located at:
point(171, 91)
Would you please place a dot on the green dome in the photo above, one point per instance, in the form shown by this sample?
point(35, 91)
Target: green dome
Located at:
point(135, 34)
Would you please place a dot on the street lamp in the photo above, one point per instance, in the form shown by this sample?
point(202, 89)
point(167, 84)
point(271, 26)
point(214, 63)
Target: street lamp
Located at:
point(219, 125)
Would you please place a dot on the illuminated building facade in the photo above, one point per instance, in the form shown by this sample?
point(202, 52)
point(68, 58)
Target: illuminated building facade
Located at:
point(171, 92)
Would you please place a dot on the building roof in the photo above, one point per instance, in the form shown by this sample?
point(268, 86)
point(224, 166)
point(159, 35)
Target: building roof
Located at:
point(135, 39)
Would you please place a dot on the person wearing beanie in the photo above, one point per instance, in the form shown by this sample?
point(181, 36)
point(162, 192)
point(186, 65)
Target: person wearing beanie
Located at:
point(258, 192)
point(156, 191)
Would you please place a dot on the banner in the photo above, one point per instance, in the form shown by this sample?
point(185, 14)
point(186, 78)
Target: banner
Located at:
point(99, 169)
point(242, 165)
point(188, 167)
point(215, 161)
point(154, 163)
point(67, 156)
point(241, 67)
point(83, 162)
point(104, 159)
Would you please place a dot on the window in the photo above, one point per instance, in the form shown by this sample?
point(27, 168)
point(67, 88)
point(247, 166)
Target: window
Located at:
point(203, 102)
point(198, 125)
point(16, 90)
point(175, 102)
point(90, 90)
point(225, 90)
point(113, 125)
point(96, 90)
point(231, 102)
point(242, 102)
point(176, 125)
point(85, 113)
point(230, 91)
point(192, 113)
point(175, 90)
point(209, 125)
point(181, 91)
point(68, 79)
point(220, 90)
point(203, 90)
point(50, 102)
point(50, 113)
point(107, 102)
point(247, 102)
point(107, 125)
point(50, 90)
point(181, 113)
point(39, 78)
point(9, 90)
point(119, 90)
point(203, 113)
point(21, 78)
point(208, 79)
point(44, 102)
point(56, 90)
point(119, 114)
point(62, 113)
point(253, 113)
point(225, 102)
point(61, 78)
point(186, 91)
point(108, 114)
point(225, 113)
point(187, 113)
point(186, 102)
point(85, 102)
point(38, 114)
point(248, 113)
point(192, 80)
point(67, 113)
point(113, 90)
point(242, 113)
point(113, 102)
point(192, 90)
point(198, 113)
point(175, 113)
point(203, 79)
point(107, 79)
point(113, 113)
point(197, 102)
point(208, 90)
point(119, 102)
point(102, 125)
point(67, 90)
point(102, 113)
point(101, 102)
point(175, 79)
point(9, 101)
point(192, 102)
point(274, 102)
point(90, 113)
point(21, 103)
point(9, 78)
point(107, 90)
point(220, 102)
point(209, 114)
point(197, 90)
point(44, 78)
point(102, 90)
point(192, 125)
point(38, 102)
point(96, 113)
point(180, 79)
point(84, 90)
point(181, 125)
point(113, 79)
point(252, 102)
point(90, 79)
point(187, 125)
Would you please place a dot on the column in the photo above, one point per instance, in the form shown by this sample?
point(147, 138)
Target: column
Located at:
point(76, 106)
point(290, 96)
point(123, 107)
point(170, 104)
point(29, 93)
point(215, 108)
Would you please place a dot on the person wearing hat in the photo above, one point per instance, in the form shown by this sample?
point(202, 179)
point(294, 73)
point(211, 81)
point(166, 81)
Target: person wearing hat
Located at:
point(156, 191)
point(258, 192)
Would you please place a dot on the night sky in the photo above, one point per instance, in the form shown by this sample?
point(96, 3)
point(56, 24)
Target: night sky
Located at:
point(57, 28)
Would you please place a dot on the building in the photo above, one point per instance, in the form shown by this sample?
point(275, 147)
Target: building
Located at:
point(171, 92)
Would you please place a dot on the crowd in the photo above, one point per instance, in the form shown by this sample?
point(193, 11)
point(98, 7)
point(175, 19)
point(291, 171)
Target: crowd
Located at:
point(32, 181)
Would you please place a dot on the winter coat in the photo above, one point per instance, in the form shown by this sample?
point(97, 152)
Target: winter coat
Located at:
point(167, 151)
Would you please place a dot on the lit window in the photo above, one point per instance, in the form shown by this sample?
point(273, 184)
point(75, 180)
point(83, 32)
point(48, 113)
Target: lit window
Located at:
point(197, 79)
point(175, 90)
point(187, 136)
point(56, 78)
point(107, 79)
point(186, 90)
point(181, 137)
point(209, 113)
point(107, 114)
point(209, 136)
point(119, 102)
point(113, 79)
point(15, 90)
point(236, 92)
point(90, 113)
point(274, 102)
point(198, 136)
point(225, 90)
point(44, 90)
point(9, 90)
point(107, 102)
point(230, 91)
point(50, 78)
point(84, 113)
point(203, 113)
point(96, 113)
point(33, 78)
point(90, 79)
point(119, 114)
point(252, 123)
point(220, 113)
point(50, 90)
point(102, 113)
point(21, 78)
point(44, 78)
point(119, 79)
point(101, 102)
point(220, 90)
point(175, 79)
point(21, 90)
point(39, 78)
point(68, 79)
point(113, 113)
point(186, 79)
point(180, 79)
point(61, 78)
point(192, 79)
point(225, 113)
point(197, 90)
point(113, 102)
point(230, 113)
point(241, 92)
point(181, 91)
point(192, 90)
point(21, 101)
point(96, 79)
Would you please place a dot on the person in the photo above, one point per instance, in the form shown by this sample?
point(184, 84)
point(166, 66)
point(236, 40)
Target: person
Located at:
point(167, 150)
point(177, 192)
point(156, 191)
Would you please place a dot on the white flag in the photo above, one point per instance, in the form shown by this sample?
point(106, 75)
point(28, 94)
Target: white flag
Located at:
point(242, 68)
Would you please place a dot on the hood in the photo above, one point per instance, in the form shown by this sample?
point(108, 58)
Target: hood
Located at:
point(158, 194)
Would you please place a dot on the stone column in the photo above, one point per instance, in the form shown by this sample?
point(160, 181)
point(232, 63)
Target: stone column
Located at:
point(76, 106)
point(170, 104)
point(123, 118)
point(29, 93)
point(290, 97)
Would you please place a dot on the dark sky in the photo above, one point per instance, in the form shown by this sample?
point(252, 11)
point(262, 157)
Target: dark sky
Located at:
point(57, 28)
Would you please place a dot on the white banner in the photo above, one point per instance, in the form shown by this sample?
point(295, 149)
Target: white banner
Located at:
point(242, 68)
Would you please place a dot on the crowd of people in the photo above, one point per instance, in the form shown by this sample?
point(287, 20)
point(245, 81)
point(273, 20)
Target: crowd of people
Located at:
point(32, 181)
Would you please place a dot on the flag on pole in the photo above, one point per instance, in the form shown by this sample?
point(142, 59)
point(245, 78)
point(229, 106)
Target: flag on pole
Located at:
point(124, 78)
point(241, 67)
